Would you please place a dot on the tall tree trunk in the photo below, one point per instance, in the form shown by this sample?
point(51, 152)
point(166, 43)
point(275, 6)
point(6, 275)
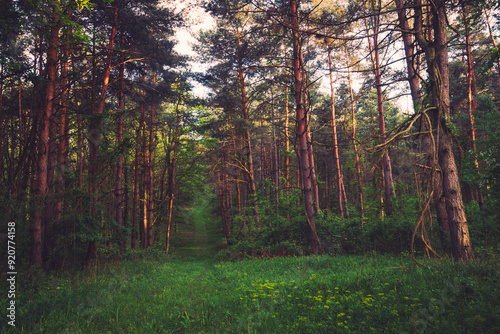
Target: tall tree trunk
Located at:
point(309, 138)
point(436, 52)
point(95, 139)
point(413, 78)
point(3, 141)
point(310, 152)
point(62, 158)
point(302, 124)
point(133, 234)
point(37, 223)
point(386, 161)
point(244, 105)
point(435, 182)
point(334, 137)
point(151, 175)
point(238, 171)
point(471, 102)
point(355, 145)
point(276, 178)
point(119, 140)
point(144, 184)
point(287, 146)
point(263, 164)
point(172, 174)
point(48, 228)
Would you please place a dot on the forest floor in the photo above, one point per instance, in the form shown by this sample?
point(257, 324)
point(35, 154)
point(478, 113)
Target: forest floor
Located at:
point(190, 292)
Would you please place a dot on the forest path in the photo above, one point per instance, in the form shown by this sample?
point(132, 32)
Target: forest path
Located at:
point(196, 238)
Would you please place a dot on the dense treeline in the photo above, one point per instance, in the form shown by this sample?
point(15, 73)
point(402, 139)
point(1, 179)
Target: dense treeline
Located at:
point(93, 100)
point(103, 146)
point(314, 144)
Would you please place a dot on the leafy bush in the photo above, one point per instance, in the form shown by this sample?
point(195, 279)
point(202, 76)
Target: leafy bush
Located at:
point(280, 231)
point(381, 234)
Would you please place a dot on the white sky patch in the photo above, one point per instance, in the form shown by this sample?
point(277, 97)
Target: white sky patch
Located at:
point(186, 38)
point(196, 20)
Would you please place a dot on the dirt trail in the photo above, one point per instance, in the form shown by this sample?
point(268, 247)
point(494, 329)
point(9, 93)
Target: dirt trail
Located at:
point(194, 238)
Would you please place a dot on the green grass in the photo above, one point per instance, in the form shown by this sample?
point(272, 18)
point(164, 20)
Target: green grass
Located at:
point(319, 294)
point(188, 292)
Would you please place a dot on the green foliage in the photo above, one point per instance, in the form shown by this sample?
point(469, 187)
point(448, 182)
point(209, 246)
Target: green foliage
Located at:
point(381, 234)
point(484, 229)
point(488, 123)
point(280, 232)
point(319, 294)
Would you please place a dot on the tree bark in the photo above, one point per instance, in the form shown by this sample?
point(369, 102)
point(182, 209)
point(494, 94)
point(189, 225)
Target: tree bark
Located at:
point(37, 223)
point(335, 138)
point(386, 161)
point(435, 178)
point(119, 140)
point(287, 146)
point(436, 52)
point(172, 174)
point(150, 200)
point(471, 102)
point(276, 178)
point(133, 234)
point(244, 105)
point(355, 145)
point(302, 125)
point(413, 78)
point(145, 185)
point(95, 139)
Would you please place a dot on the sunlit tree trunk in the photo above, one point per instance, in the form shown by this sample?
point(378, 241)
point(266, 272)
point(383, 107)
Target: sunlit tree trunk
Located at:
point(133, 234)
point(413, 78)
point(287, 146)
point(471, 101)
point(172, 174)
point(150, 177)
point(276, 178)
point(144, 184)
point(95, 139)
point(2, 135)
point(354, 143)
point(37, 223)
point(386, 161)
point(310, 150)
point(435, 182)
point(436, 52)
point(335, 138)
point(302, 124)
point(244, 106)
point(119, 140)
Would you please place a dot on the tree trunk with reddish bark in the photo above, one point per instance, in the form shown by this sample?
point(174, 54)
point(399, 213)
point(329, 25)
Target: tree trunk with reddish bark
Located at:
point(95, 140)
point(172, 175)
point(335, 138)
point(471, 102)
point(37, 224)
point(355, 145)
point(302, 131)
point(119, 140)
point(436, 52)
point(244, 110)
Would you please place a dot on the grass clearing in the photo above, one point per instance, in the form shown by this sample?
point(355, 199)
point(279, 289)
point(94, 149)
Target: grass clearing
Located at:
point(318, 294)
point(189, 292)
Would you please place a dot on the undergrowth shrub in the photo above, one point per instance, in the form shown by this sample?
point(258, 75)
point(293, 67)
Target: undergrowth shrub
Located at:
point(279, 231)
point(282, 230)
point(386, 234)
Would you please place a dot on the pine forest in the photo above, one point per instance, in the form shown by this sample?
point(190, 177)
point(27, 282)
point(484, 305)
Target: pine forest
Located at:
point(250, 166)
